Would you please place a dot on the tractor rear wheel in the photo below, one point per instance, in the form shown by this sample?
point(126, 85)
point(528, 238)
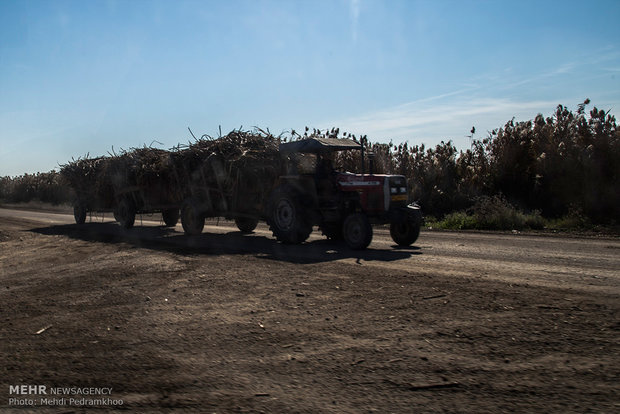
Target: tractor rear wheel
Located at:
point(287, 218)
point(170, 217)
point(357, 231)
point(246, 224)
point(192, 219)
point(125, 213)
point(406, 232)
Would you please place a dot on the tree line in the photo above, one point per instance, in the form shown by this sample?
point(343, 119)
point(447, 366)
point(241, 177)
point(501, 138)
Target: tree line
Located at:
point(565, 163)
point(562, 164)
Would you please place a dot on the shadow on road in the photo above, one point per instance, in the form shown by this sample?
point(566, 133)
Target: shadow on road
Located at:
point(166, 239)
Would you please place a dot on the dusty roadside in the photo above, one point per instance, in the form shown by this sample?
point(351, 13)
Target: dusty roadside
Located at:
point(227, 323)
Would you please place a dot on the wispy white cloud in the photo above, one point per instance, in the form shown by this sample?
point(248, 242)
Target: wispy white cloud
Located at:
point(606, 54)
point(565, 68)
point(584, 65)
point(562, 69)
point(468, 88)
point(485, 101)
point(354, 10)
point(433, 119)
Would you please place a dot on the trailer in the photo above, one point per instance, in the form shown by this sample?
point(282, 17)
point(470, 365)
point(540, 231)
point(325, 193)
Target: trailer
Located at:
point(234, 187)
point(225, 177)
point(122, 185)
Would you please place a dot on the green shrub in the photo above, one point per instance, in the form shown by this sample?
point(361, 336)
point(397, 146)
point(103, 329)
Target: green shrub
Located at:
point(535, 221)
point(495, 213)
point(574, 220)
point(458, 221)
point(491, 213)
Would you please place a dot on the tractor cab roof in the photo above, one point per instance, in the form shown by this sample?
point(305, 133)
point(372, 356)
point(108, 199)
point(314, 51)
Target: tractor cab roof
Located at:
point(319, 145)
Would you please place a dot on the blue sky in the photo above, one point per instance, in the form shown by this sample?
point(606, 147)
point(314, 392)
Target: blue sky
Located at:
point(80, 77)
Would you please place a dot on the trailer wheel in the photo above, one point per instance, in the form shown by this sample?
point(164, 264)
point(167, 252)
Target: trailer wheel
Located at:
point(79, 213)
point(170, 217)
point(333, 231)
point(357, 231)
point(192, 219)
point(406, 232)
point(287, 218)
point(246, 224)
point(125, 213)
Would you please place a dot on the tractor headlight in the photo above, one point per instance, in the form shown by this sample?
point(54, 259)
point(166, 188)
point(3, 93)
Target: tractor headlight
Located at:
point(403, 190)
point(393, 190)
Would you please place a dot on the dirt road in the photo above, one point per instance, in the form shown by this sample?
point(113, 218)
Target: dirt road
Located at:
point(225, 322)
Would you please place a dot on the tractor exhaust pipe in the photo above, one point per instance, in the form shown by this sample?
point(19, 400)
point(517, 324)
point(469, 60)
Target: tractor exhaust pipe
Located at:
point(362, 140)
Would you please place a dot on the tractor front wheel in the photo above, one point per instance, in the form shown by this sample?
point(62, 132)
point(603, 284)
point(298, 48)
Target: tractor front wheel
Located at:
point(406, 232)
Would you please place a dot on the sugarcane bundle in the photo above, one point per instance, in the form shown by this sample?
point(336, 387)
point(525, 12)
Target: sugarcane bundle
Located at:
point(84, 175)
point(167, 177)
point(100, 181)
point(218, 163)
point(150, 170)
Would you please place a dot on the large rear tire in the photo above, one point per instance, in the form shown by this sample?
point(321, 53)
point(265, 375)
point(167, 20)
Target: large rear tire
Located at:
point(125, 213)
point(357, 231)
point(287, 218)
point(406, 232)
point(170, 217)
point(192, 219)
point(246, 224)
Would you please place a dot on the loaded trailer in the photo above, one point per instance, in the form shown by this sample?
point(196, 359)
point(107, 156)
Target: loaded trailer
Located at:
point(235, 189)
point(132, 183)
point(129, 202)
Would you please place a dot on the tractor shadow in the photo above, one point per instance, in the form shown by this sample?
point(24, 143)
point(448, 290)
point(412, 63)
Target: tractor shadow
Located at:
point(170, 240)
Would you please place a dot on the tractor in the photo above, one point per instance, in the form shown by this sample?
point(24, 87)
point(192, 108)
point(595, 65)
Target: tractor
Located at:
point(343, 205)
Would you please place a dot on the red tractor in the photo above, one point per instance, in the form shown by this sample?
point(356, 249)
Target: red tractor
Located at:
point(344, 205)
